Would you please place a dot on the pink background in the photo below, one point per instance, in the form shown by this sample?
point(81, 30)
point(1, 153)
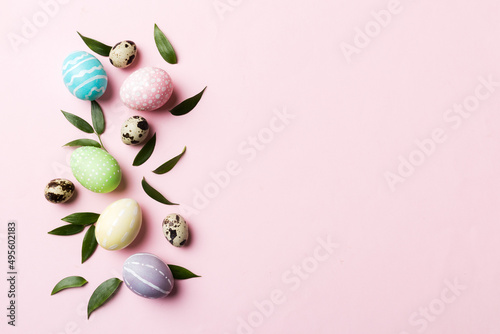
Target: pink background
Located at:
point(320, 175)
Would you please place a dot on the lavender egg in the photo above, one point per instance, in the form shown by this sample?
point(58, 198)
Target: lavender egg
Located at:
point(147, 276)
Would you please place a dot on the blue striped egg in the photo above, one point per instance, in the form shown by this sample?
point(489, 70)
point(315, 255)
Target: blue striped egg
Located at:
point(84, 76)
point(147, 276)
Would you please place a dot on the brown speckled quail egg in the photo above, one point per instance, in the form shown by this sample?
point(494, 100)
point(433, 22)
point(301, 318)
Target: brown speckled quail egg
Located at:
point(59, 190)
point(135, 130)
point(175, 229)
point(123, 54)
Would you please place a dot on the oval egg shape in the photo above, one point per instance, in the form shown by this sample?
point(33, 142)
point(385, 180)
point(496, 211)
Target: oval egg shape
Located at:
point(84, 76)
point(59, 190)
point(123, 54)
point(147, 276)
point(95, 169)
point(146, 89)
point(118, 224)
point(175, 229)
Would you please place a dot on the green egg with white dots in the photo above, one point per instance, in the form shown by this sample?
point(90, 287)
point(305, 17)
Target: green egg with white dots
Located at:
point(95, 169)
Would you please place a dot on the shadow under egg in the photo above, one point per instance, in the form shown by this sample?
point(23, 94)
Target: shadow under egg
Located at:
point(109, 93)
point(172, 102)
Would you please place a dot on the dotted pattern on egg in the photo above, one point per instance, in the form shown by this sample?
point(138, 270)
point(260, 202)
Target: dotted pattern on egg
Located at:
point(84, 76)
point(95, 169)
point(119, 224)
point(146, 89)
point(147, 276)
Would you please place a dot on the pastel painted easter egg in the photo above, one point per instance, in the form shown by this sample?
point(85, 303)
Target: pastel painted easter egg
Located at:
point(123, 54)
point(118, 224)
point(84, 76)
point(146, 89)
point(147, 276)
point(95, 169)
point(175, 229)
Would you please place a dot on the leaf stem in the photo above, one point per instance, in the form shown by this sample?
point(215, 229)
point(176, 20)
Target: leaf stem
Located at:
point(100, 141)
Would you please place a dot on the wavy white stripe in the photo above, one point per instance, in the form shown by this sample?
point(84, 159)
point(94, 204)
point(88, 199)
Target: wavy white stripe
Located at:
point(74, 61)
point(82, 73)
point(87, 81)
point(94, 90)
point(144, 281)
point(83, 61)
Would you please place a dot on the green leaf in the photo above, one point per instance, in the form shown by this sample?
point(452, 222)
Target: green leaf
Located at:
point(69, 229)
point(102, 294)
point(83, 142)
point(187, 105)
point(154, 194)
point(81, 218)
point(96, 46)
point(97, 117)
point(145, 152)
point(89, 244)
point(69, 282)
point(80, 123)
point(167, 166)
point(181, 273)
point(166, 50)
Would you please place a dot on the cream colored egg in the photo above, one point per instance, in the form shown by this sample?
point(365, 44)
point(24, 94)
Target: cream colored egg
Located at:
point(118, 224)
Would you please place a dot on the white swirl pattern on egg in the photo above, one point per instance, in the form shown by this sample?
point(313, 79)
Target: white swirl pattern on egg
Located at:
point(84, 76)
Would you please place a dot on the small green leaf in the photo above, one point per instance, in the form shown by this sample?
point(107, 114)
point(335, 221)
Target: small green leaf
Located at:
point(96, 46)
point(83, 142)
point(69, 229)
point(81, 218)
point(145, 152)
point(69, 282)
point(187, 105)
point(102, 294)
point(167, 166)
point(80, 123)
point(154, 194)
point(97, 117)
point(89, 244)
point(164, 47)
point(180, 272)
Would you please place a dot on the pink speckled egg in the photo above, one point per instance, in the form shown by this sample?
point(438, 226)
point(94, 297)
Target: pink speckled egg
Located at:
point(146, 89)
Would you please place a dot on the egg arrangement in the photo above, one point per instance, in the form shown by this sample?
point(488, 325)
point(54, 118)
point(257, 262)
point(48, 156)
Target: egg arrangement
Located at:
point(119, 224)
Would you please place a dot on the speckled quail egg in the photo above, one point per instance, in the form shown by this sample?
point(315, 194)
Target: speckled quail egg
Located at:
point(123, 54)
point(135, 130)
point(59, 190)
point(175, 229)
